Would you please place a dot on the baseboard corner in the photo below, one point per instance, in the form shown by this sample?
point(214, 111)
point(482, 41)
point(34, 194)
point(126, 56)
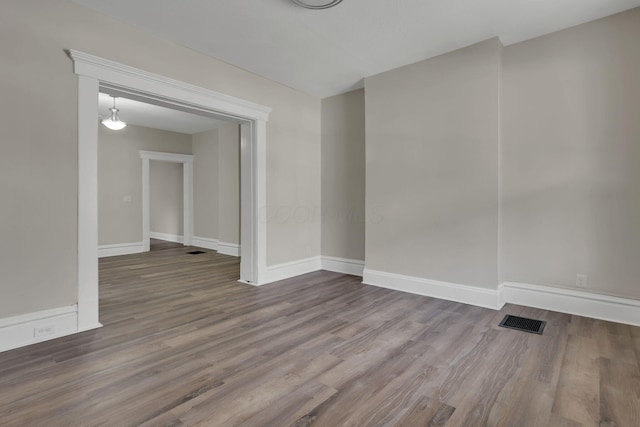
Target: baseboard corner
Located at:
point(291, 269)
point(343, 265)
point(576, 302)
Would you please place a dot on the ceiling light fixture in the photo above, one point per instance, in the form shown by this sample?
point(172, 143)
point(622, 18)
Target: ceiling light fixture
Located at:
point(317, 4)
point(114, 122)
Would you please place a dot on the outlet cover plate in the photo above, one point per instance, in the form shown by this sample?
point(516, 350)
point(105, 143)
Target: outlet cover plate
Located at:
point(43, 331)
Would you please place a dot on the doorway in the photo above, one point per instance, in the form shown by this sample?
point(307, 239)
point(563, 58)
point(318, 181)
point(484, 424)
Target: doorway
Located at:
point(95, 73)
point(187, 194)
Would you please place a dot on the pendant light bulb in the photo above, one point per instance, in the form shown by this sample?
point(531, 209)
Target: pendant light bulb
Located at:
point(114, 122)
point(317, 4)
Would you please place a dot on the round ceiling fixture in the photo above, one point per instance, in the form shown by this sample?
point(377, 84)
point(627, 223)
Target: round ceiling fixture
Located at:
point(316, 4)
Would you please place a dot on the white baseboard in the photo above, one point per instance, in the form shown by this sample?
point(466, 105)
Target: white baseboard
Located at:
point(343, 265)
point(167, 237)
point(216, 245)
point(205, 242)
point(581, 303)
point(309, 265)
point(228, 249)
point(120, 249)
point(597, 306)
point(291, 269)
point(482, 297)
point(20, 331)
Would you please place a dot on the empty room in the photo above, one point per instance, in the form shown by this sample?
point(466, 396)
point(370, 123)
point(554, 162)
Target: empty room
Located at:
point(320, 213)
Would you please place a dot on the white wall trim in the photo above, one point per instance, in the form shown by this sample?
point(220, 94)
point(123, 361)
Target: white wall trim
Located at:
point(109, 71)
point(88, 295)
point(291, 269)
point(120, 249)
point(94, 73)
point(19, 331)
point(343, 265)
point(166, 157)
point(482, 297)
point(166, 237)
point(588, 304)
point(205, 243)
point(229, 248)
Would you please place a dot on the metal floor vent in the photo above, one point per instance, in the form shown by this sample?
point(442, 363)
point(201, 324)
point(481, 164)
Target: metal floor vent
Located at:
point(523, 324)
point(196, 252)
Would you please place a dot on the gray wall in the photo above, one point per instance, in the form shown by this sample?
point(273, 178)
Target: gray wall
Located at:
point(567, 145)
point(205, 184)
point(38, 156)
point(432, 132)
point(120, 175)
point(216, 186)
point(229, 183)
point(343, 175)
point(571, 157)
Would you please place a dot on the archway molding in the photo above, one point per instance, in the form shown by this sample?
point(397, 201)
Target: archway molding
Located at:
point(96, 74)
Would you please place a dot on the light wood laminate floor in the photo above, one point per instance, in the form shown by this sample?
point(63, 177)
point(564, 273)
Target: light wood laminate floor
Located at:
point(185, 344)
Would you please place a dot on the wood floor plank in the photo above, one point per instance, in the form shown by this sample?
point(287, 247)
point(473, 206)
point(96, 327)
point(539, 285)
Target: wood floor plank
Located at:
point(559, 421)
point(619, 393)
point(427, 412)
point(185, 344)
point(525, 403)
point(577, 396)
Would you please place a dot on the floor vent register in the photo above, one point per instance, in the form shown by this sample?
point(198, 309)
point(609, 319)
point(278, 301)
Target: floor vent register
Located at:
point(523, 324)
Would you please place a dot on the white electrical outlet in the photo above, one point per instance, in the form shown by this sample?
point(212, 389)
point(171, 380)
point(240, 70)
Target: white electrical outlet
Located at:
point(126, 199)
point(43, 331)
point(581, 280)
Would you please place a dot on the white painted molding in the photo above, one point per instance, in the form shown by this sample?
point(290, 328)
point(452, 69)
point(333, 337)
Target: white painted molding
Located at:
point(228, 248)
point(343, 265)
point(105, 70)
point(205, 243)
point(166, 237)
point(250, 262)
point(295, 268)
point(120, 249)
point(88, 294)
point(253, 203)
point(588, 304)
point(19, 331)
point(481, 297)
point(187, 203)
point(166, 157)
point(291, 269)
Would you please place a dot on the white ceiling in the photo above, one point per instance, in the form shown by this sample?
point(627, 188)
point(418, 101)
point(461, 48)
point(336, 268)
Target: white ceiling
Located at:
point(327, 52)
point(153, 116)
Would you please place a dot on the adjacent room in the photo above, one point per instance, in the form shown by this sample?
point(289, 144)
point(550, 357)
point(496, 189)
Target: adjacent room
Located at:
point(320, 213)
point(166, 175)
